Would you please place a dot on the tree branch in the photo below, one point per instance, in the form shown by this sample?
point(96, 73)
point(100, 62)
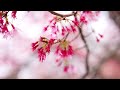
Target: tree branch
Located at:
point(87, 50)
point(87, 55)
point(61, 15)
point(82, 37)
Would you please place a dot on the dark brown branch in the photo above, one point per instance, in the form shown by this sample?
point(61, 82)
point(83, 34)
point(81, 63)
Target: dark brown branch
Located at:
point(61, 15)
point(87, 50)
point(87, 55)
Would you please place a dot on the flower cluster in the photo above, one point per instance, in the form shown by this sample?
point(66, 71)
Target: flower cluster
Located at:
point(64, 51)
point(59, 24)
point(13, 14)
point(87, 16)
point(42, 46)
point(4, 22)
point(63, 48)
point(56, 28)
point(66, 65)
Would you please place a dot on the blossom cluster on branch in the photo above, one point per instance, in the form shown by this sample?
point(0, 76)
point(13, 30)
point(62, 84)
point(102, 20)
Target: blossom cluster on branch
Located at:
point(4, 22)
point(57, 26)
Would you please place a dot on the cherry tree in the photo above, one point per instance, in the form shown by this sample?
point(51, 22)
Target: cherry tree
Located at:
point(66, 36)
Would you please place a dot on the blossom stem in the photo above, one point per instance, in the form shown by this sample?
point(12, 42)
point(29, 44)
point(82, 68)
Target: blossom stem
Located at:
point(74, 38)
point(66, 36)
point(5, 14)
point(80, 47)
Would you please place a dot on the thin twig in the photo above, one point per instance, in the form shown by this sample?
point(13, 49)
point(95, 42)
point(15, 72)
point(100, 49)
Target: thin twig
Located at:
point(80, 47)
point(75, 38)
point(88, 34)
point(85, 36)
point(64, 38)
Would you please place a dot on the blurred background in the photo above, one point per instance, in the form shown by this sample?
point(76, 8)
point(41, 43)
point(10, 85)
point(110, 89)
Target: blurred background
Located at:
point(17, 61)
